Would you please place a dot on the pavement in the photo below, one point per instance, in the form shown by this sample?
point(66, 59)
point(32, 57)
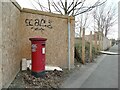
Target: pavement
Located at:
point(103, 73)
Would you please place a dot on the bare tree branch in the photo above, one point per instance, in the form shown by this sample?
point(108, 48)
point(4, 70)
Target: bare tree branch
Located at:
point(80, 7)
point(40, 5)
point(90, 8)
point(105, 19)
point(70, 5)
point(62, 4)
point(33, 5)
point(86, 18)
point(65, 10)
point(49, 5)
point(74, 8)
point(56, 8)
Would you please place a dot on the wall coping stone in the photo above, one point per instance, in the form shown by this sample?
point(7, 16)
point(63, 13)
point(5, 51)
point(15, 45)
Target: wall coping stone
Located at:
point(40, 12)
point(46, 13)
point(16, 4)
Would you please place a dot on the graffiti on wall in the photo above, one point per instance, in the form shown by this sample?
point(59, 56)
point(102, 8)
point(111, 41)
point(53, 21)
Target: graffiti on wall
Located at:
point(38, 24)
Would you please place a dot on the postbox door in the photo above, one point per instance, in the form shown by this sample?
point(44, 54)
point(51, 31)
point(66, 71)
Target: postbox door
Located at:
point(43, 51)
point(37, 62)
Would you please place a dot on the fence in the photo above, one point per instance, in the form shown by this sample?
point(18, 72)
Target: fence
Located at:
point(102, 42)
point(96, 40)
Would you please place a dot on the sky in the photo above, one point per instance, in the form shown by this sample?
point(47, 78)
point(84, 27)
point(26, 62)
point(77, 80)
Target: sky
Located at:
point(114, 30)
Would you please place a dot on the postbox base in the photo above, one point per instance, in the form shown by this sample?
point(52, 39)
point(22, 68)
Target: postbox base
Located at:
point(38, 74)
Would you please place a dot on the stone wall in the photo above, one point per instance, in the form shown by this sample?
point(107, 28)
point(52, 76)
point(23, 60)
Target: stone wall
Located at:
point(0, 45)
point(16, 29)
point(50, 26)
point(106, 43)
point(11, 55)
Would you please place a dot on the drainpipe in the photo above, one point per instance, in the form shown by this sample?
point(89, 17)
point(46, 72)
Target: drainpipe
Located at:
point(69, 43)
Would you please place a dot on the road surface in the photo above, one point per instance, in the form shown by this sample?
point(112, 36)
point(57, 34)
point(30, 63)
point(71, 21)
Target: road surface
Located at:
point(102, 74)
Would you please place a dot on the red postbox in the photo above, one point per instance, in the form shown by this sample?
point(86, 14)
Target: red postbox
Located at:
point(38, 55)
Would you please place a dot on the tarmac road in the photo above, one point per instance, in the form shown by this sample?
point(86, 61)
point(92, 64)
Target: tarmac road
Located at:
point(102, 74)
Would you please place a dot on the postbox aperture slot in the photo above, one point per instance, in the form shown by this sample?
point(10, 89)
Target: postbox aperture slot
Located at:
point(43, 44)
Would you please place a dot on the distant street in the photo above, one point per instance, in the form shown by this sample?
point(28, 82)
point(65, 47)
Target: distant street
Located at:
point(103, 74)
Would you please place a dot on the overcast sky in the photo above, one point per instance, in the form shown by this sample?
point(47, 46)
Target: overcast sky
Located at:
point(113, 34)
point(27, 3)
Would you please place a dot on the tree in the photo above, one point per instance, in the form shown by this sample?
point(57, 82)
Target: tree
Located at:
point(82, 22)
point(105, 17)
point(74, 8)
